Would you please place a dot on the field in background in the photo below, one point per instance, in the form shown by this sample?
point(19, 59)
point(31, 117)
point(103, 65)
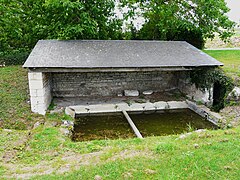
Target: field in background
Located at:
point(234, 42)
point(231, 60)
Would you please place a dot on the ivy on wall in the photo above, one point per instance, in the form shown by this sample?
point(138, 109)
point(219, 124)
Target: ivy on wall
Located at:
point(205, 78)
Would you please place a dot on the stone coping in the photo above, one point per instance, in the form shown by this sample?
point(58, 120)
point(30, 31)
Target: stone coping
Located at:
point(205, 112)
point(202, 110)
point(119, 107)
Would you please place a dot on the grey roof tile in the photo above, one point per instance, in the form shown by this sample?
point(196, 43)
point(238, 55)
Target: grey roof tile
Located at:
point(116, 54)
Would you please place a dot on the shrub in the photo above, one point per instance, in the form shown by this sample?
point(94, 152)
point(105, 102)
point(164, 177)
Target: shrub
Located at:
point(14, 57)
point(206, 78)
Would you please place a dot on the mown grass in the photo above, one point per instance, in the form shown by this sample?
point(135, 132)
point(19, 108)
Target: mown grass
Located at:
point(230, 58)
point(206, 155)
point(45, 153)
point(14, 108)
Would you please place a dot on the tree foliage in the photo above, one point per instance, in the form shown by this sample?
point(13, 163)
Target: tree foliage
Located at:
point(24, 22)
point(190, 20)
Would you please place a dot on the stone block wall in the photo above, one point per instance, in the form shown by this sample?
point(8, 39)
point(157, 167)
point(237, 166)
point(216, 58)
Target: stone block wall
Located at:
point(44, 86)
point(40, 91)
point(192, 92)
point(110, 83)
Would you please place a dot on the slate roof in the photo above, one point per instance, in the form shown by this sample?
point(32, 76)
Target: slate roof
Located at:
point(116, 54)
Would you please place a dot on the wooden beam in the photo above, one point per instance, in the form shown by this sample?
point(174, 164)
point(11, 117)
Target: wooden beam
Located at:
point(135, 129)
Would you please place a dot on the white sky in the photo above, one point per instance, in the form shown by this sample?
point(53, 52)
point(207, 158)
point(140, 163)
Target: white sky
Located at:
point(234, 14)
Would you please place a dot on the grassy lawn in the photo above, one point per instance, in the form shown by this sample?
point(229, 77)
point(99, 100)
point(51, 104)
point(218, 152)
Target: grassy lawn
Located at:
point(230, 58)
point(15, 110)
point(45, 153)
point(14, 99)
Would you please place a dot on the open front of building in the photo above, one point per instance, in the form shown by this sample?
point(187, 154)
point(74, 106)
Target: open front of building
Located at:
point(108, 68)
point(75, 84)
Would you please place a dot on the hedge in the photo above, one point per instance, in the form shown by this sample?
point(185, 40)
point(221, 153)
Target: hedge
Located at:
point(14, 57)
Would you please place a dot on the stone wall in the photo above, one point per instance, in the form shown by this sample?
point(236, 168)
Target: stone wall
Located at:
point(110, 83)
point(40, 91)
point(44, 86)
point(192, 92)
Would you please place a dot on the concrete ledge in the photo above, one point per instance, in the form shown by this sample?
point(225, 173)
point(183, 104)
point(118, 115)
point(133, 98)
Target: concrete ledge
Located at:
point(119, 107)
point(177, 105)
point(205, 112)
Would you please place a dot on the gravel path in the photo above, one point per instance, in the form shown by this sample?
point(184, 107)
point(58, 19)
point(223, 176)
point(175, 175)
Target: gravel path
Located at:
point(236, 48)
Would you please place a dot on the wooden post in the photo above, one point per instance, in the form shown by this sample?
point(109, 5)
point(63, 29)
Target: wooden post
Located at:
point(136, 131)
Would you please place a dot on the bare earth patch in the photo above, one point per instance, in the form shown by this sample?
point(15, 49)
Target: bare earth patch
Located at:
point(232, 115)
point(69, 161)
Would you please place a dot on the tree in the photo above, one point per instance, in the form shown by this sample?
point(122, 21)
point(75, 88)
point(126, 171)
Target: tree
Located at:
point(190, 20)
point(24, 22)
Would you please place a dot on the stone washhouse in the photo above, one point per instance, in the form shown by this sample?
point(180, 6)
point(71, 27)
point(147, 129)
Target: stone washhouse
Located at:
point(102, 68)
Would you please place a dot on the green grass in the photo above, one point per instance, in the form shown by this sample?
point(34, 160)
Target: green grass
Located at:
point(217, 156)
point(230, 58)
point(45, 153)
point(14, 109)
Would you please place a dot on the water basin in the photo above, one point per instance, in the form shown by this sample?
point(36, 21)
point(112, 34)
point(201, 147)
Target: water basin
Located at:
point(163, 123)
point(104, 126)
point(149, 123)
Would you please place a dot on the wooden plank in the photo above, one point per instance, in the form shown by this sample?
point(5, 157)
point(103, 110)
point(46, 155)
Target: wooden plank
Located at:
point(135, 129)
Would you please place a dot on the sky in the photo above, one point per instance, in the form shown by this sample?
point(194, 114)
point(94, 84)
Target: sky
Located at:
point(234, 13)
